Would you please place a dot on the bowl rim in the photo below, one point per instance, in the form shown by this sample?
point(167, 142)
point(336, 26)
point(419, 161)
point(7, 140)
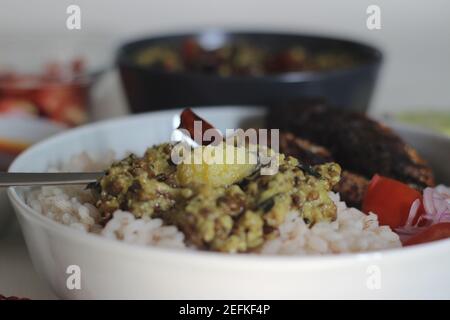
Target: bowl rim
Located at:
point(375, 55)
point(194, 255)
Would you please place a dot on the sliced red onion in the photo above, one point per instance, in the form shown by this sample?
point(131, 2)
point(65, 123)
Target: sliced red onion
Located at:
point(436, 202)
point(412, 213)
point(409, 229)
point(443, 189)
point(428, 201)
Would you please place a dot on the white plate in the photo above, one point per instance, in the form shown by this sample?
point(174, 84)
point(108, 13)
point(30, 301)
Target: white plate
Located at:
point(113, 269)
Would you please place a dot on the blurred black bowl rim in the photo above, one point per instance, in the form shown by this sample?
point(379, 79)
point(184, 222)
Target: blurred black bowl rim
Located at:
point(374, 56)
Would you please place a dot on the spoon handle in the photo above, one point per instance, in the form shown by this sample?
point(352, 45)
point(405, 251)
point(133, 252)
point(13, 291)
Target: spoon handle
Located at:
point(9, 179)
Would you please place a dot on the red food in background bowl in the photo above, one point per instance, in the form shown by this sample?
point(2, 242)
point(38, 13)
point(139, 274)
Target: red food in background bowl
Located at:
point(60, 93)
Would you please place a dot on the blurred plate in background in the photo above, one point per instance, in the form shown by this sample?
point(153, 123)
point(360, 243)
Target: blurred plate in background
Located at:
point(17, 133)
point(55, 78)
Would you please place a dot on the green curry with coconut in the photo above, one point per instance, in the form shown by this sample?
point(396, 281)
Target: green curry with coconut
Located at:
point(219, 207)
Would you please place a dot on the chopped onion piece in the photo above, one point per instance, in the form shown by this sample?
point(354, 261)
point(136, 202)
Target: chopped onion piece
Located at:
point(436, 202)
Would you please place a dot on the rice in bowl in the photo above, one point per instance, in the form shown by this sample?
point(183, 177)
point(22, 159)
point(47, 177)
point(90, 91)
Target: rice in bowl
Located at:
point(74, 206)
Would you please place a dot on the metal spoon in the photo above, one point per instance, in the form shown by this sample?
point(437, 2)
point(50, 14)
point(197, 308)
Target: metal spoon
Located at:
point(9, 179)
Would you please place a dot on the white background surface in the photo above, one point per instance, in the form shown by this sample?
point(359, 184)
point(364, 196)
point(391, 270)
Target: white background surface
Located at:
point(415, 34)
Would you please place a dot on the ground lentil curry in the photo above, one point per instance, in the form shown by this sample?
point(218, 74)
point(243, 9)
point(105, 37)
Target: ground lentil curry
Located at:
point(236, 214)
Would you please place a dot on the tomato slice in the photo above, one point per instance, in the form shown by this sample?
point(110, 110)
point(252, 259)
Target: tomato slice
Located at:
point(188, 118)
point(437, 231)
point(391, 200)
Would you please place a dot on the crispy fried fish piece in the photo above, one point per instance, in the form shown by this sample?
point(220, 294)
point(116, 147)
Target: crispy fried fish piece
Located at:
point(359, 144)
point(351, 187)
point(307, 152)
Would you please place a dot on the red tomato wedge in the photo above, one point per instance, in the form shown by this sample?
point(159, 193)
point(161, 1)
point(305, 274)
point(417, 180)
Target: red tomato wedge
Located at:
point(437, 231)
point(188, 118)
point(391, 200)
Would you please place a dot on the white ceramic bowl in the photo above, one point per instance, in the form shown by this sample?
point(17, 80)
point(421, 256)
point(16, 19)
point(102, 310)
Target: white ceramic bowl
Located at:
point(110, 269)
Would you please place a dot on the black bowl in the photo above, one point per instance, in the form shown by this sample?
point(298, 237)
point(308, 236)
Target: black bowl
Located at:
point(148, 88)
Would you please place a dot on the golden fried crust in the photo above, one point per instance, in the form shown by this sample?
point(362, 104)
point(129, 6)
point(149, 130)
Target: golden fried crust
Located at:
point(359, 144)
point(352, 187)
point(304, 150)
